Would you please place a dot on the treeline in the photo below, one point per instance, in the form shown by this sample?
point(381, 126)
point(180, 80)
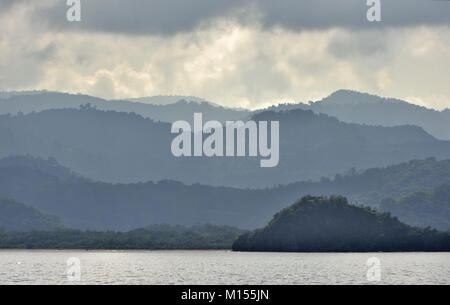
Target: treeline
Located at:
point(331, 224)
point(157, 237)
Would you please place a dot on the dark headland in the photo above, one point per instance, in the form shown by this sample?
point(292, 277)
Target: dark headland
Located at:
point(331, 224)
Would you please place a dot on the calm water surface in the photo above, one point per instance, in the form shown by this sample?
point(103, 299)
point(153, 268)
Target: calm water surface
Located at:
point(220, 267)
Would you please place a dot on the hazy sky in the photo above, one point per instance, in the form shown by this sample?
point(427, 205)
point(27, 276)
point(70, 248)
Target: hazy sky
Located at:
point(247, 53)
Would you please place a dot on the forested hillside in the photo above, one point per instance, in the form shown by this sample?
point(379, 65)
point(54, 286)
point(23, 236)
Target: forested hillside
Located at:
point(422, 209)
point(17, 216)
point(86, 204)
point(119, 147)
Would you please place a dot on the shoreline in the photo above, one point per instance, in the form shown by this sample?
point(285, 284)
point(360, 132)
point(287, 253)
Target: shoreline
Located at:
point(208, 250)
point(118, 250)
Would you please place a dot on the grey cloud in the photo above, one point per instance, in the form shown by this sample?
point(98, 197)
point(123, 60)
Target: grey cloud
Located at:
point(138, 16)
point(234, 66)
point(357, 43)
point(7, 4)
point(174, 16)
point(44, 54)
point(308, 14)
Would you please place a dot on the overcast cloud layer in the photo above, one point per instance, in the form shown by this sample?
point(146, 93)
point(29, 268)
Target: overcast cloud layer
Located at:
point(233, 52)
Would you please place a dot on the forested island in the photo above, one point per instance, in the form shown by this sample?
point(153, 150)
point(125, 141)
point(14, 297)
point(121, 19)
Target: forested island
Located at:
point(331, 224)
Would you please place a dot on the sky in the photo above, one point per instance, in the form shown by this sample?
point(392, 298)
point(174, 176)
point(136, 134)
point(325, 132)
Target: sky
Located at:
point(237, 53)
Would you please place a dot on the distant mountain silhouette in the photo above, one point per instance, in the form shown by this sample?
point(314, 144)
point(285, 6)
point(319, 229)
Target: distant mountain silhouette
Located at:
point(315, 145)
point(346, 105)
point(119, 147)
point(17, 216)
point(166, 99)
point(331, 224)
point(362, 108)
point(84, 204)
point(160, 108)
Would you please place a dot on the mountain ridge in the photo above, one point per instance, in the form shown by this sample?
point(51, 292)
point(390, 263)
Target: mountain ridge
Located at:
point(112, 146)
point(363, 108)
point(182, 109)
point(18, 216)
point(84, 204)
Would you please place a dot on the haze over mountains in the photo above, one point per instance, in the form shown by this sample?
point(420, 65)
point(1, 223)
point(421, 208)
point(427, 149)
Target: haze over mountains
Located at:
point(346, 105)
point(158, 108)
point(362, 108)
point(17, 216)
point(85, 204)
point(100, 164)
point(124, 147)
point(418, 209)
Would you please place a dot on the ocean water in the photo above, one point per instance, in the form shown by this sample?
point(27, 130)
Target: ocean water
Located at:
point(220, 267)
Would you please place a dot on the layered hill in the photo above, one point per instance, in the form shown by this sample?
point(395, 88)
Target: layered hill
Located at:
point(17, 216)
point(422, 209)
point(362, 108)
point(158, 108)
point(125, 147)
point(346, 105)
point(85, 204)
